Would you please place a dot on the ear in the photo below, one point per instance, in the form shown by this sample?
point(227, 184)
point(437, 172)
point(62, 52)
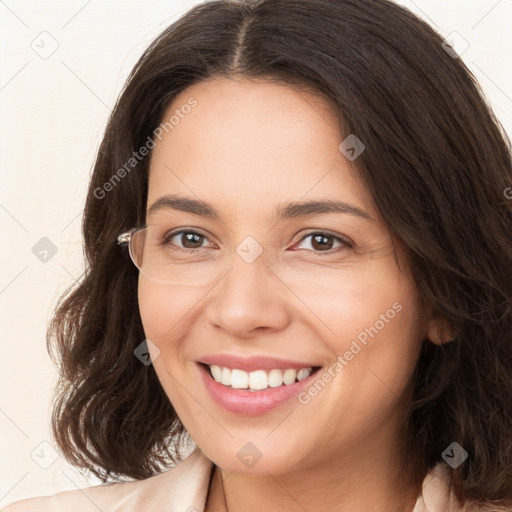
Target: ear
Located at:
point(439, 330)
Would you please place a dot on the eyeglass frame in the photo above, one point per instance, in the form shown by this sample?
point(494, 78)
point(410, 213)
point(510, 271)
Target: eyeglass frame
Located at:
point(125, 238)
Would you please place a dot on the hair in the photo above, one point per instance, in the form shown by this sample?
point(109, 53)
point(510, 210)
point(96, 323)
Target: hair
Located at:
point(437, 164)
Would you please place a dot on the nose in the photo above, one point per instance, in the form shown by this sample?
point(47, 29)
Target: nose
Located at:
point(249, 298)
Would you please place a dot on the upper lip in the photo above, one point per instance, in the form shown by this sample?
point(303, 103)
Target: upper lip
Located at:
point(249, 364)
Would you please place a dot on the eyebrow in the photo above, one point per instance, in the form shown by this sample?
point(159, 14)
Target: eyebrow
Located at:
point(281, 212)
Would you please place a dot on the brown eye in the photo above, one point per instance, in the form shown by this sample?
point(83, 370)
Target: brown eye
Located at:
point(324, 242)
point(189, 240)
point(321, 242)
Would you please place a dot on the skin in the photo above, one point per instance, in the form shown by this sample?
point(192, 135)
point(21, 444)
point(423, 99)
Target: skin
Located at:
point(246, 147)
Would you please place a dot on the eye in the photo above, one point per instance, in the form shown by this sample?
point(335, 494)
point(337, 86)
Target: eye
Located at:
point(190, 240)
point(323, 242)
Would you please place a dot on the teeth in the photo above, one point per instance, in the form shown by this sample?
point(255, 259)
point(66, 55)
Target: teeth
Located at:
point(226, 376)
point(289, 376)
point(216, 372)
point(258, 379)
point(275, 378)
point(239, 379)
point(302, 374)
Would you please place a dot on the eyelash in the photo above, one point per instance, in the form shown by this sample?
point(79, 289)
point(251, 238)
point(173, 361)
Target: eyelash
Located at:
point(346, 244)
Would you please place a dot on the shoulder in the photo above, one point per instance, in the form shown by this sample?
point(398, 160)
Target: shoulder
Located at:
point(182, 487)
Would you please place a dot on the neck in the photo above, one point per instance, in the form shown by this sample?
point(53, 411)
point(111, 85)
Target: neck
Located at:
point(366, 482)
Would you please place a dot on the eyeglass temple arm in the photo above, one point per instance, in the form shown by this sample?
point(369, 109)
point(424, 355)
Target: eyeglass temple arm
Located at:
point(124, 238)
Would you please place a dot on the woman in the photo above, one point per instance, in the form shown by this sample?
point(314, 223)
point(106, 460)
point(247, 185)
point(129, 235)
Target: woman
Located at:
point(299, 255)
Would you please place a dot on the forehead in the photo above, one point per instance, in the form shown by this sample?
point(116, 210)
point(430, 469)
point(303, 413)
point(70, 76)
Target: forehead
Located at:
point(252, 144)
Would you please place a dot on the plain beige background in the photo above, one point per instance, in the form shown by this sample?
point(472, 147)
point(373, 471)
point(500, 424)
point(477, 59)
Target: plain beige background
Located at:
point(63, 65)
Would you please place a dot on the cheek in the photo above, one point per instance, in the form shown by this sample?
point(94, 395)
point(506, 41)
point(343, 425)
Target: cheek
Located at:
point(363, 305)
point(152, 306)
point(373, 360)
point(374, 327)
point(381, 348)
point(164, 309)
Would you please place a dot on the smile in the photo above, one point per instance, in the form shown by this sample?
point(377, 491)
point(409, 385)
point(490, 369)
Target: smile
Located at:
point(259, 379)
point(263, 389)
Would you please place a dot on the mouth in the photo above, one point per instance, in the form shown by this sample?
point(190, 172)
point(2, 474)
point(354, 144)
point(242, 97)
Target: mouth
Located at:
point(259, 391)
point(257, 380)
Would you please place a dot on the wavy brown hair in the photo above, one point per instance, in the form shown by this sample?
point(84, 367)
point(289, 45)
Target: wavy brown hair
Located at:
point(437, 164)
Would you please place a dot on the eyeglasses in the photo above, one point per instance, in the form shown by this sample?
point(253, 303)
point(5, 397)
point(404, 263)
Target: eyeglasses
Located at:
point(160, 260)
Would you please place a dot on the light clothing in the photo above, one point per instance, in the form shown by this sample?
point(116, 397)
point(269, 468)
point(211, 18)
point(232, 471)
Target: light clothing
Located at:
point(184, 488)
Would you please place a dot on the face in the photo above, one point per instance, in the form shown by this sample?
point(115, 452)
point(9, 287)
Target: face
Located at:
point(321, 291)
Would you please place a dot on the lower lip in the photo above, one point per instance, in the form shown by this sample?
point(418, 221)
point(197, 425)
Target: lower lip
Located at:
point(251, 403)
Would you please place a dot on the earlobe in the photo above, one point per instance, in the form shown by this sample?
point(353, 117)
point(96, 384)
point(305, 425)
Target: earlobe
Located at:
point(439, 331)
